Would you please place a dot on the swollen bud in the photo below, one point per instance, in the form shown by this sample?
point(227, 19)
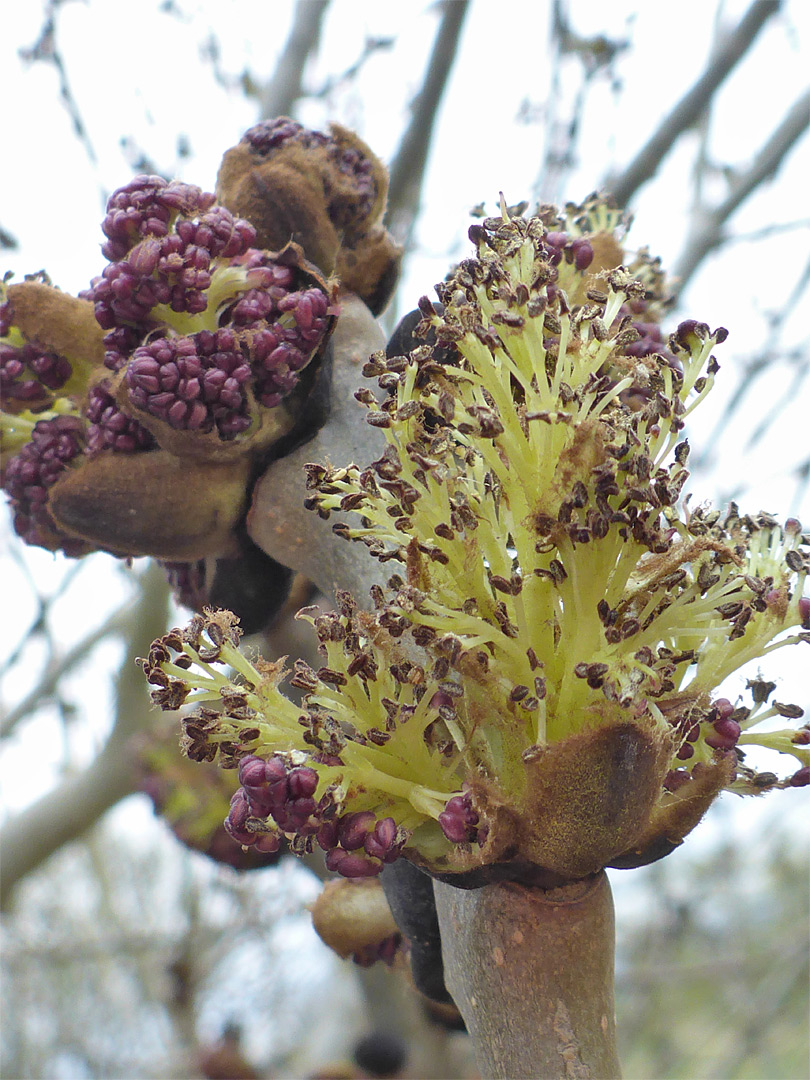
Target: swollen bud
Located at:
point(151, 504)
point(351, 915)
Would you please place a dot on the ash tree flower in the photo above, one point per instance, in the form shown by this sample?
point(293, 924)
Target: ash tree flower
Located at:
point(133, 413)
point(326, 191)
point(535, 693)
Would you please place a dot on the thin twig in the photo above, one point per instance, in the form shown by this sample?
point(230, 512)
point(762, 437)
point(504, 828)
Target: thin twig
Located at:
point(58, 667)
point(78, 801)
point(686, 112)
point(371, 47)
point(44, 605)
point(408, 167)
point(283, 89)
point(708, 230)
point(46, 49)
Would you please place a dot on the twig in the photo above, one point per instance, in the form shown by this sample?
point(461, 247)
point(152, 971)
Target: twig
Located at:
point(408, 167)
point(49, 682)
point(709, 226)
point(64, 813)
point(683, 116)
point(532, 974)
point(370, 47)
point(44, 605)
point(284, 87)
point(45, 48)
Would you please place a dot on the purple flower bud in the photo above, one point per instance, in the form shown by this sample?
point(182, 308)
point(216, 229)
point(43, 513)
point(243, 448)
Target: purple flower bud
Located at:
point(353, 829)
point(302, 782)
point(675, 779)
point(723, 707)
point(351, 865)
point(327, 835)
point(240, 811)
point(804, 612)
point(725, 736)
point(582, 252)
point(458, 820)
point(252, 772)
point(29, 473)
point(383, 842)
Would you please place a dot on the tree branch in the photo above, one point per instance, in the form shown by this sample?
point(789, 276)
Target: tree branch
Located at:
point(51, 678)
point(707, 232)
point(532, 972)
point(281, 92)
point(278, 520)
point(683, 116)
point(34, 834)
point(408, 167)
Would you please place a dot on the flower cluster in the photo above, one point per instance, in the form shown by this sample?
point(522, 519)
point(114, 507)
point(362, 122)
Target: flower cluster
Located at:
point(184, 351)
point(538, 684)
point(192, 800)
point(202, 325)
point(325, 191)
point(353, 184)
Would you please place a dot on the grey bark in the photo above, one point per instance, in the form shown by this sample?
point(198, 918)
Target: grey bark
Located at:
point(532, 973)
point(278, 521)
point(283, 89)
point(724, 58)
point(67, 811)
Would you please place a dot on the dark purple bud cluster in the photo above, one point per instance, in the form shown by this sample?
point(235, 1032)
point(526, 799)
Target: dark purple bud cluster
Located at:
point(459, 821)
point(357, 844)
point(651, 340)
point(246, 829)
point(280, 351)
point(172, 266)
point(274, 789)
point(29, 375)
point(112, 429)
point(269, 135)
point(27, 476)
point(199, 318)
point(725, 730)
point(193, 383)
point(145, 207)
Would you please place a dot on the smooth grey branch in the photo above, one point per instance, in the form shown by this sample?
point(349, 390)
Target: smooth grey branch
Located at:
point(707, 232)
point(283, 89)
point(685, 113)
point(278, 521)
